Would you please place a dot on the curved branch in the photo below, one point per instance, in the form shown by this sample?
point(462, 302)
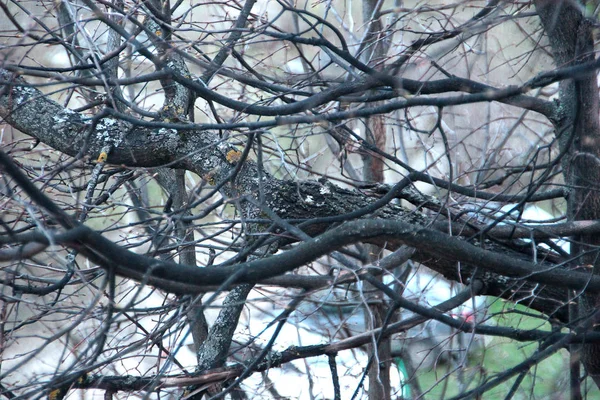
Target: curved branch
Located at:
point(179, 278)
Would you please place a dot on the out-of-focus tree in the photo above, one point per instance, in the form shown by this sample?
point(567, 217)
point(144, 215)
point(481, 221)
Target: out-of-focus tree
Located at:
point(259, 199)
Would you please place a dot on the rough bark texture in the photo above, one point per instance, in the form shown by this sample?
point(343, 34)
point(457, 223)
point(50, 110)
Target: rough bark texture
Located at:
point(28, 110)
point(335, 217)
point(578, 133)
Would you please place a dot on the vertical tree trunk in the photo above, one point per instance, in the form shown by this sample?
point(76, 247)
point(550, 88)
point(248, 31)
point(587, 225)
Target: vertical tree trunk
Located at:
point(578, 134)
point(373, 167)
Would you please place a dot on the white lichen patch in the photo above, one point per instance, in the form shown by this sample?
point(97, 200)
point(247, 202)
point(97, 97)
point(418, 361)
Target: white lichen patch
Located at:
point(324, 190)
point(165, 132)
point(109, 131)
point(106, 123)
point(22, 93)
point(223, 146)
point(60, 119)
point(65, 116)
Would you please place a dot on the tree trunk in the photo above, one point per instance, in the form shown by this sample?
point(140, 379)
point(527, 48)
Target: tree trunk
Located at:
point(373, 167)
point(578, 134)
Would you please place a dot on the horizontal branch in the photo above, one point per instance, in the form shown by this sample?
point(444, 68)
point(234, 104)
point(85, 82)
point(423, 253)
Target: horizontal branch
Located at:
point(277, 359)
point(179, 278)
point(202, 152)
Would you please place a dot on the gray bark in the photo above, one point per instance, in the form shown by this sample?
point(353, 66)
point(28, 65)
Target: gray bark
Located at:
point(578, 134)
point(28, 110)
